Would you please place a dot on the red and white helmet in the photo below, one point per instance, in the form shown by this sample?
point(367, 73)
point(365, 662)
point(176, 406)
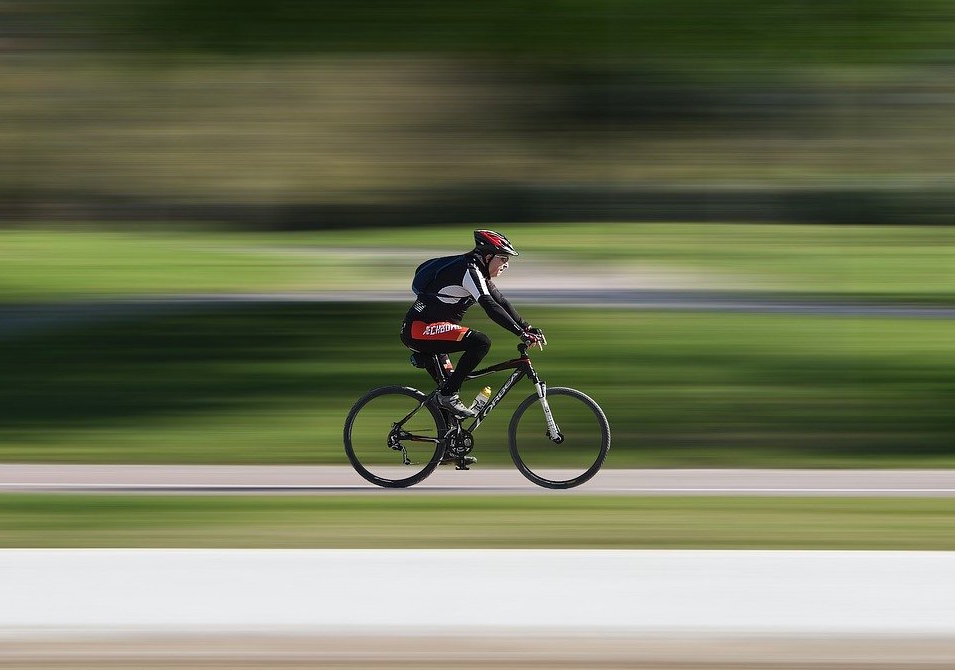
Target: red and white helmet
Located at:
point(489, 242)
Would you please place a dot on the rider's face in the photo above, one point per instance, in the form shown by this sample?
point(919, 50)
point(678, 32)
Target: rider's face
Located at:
point(497, 265)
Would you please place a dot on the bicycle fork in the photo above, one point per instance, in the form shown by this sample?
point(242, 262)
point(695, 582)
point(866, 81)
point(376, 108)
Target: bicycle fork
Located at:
point(553, 432)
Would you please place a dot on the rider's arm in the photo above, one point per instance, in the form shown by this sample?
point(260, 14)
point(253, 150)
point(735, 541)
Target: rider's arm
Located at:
point(502, 301)
point(499, 315)
point(477, 285)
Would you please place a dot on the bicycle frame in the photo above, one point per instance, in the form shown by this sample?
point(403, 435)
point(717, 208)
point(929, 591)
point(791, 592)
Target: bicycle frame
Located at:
point(522, 368)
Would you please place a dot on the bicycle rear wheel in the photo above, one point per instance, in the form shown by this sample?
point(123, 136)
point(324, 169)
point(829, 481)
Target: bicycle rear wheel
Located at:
point(585, 439)
point(386, 453)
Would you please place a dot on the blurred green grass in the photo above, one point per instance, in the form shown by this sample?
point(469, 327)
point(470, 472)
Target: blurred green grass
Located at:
point(60, 264)
point(891, 263)
point(273, 383)
point(397, 521)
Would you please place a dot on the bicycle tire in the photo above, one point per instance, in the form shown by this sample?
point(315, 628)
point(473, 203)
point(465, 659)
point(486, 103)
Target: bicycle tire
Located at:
point(599, 451)
point(359, 459)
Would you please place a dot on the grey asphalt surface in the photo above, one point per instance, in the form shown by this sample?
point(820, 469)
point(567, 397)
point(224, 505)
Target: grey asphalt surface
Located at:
point(338, 480)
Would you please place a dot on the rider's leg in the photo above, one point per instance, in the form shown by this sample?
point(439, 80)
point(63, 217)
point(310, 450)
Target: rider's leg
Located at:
point(439, 369)
point(473, 343)
point(477, 345)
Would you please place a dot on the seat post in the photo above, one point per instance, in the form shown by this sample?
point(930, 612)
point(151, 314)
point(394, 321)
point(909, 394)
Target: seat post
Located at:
point(437, 370)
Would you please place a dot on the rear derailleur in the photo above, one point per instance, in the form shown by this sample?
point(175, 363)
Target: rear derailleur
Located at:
point(394, 442)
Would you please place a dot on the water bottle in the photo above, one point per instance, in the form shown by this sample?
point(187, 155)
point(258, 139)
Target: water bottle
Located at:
point(481, 399)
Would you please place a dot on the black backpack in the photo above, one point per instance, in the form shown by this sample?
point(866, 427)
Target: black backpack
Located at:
point(428, 270)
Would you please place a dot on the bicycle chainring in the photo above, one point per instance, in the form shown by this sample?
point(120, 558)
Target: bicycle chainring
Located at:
point(461, 443)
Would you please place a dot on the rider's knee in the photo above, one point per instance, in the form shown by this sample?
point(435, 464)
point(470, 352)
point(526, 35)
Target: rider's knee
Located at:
point(479, 342)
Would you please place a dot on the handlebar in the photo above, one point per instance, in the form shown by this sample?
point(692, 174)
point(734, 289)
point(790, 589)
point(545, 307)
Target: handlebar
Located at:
point(537, 337)
point(522, 347)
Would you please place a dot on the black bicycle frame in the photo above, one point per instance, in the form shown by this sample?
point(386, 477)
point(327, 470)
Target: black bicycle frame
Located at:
point(522, 368)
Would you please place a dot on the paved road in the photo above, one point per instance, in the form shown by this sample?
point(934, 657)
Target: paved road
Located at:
point(477, 481)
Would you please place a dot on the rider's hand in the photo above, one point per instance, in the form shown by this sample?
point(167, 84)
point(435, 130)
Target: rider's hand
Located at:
point(534, 339)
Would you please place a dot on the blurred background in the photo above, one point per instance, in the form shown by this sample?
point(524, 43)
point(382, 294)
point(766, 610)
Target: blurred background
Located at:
point(302, 114)
point(255, 179)
point(734, 220)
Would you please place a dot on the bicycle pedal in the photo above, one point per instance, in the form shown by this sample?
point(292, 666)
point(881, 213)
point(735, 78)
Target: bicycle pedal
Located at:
point(461, 466)
point(448, 459)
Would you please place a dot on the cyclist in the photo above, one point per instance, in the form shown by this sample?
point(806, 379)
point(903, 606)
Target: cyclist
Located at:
point(433, 323)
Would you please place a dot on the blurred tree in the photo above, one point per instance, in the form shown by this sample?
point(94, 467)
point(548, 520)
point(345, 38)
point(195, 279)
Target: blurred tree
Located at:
point(779, 30)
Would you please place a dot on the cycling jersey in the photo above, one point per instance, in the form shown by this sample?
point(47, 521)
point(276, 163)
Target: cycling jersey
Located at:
point(442, 303)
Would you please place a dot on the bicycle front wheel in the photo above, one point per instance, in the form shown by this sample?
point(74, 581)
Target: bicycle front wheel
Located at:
point(565, 460)
point(391, 439)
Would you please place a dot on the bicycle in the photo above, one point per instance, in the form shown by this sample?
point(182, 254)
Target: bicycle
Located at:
point(395, 436)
